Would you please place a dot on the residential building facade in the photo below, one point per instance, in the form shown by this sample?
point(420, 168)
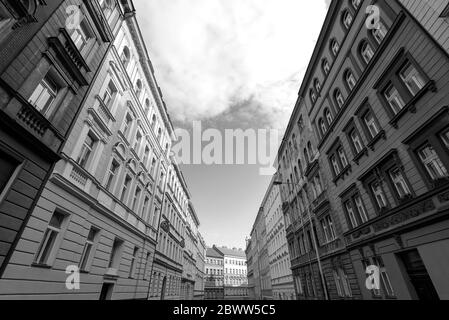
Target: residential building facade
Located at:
point(115, 204)
point(235, 273)
point(278, 253)
point(214, 277)
point(200, 276)
point(374, 98)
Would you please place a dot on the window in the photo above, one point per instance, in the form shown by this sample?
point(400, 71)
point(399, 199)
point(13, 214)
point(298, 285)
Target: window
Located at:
point(81, 36)
point(379, 195)
point(326, 67)
point(445, 138)
point(136, 199)
point(133, 262)
point(125, 57)
point(138, 141)
point(114, 259)
point(339, 98)
point(345, 283)
point(146, 155)
point(88, 250)
point(335, 165)
point(48, 245)
point(153, 167)
point(380, 33)
point(107, 6)
point(317, 85)
point(145, 207)
point(86, 151)
point(323, 126)
point(394, 99)
point(343, 158)
point(412, 78)
point(355, 210)
point(335, 47)
point(125, 188)
point(338, 284)
point(109, 94)
point(347, 19)
point(360, 208)
point(356, 3)
point(399, 183)
point(386, 283)
point(113, 170)
point(138, 88)
point(371, 124)
point(328, 229)
point(312, 95)
point(350, 80)
point(356, 141)
point(7, 167)
point(432, 163)
point(351, 214)
point(44, 96)
point(366, 52)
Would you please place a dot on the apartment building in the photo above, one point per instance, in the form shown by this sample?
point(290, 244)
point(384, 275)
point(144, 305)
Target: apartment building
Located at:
point(277, 246)
point(375, 102)
point(251, 253)
point(114, 208)
point(45, 73)
point(214, 281)
point(200, 275)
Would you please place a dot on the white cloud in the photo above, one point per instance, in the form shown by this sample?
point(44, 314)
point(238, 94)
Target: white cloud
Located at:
point(210, 55)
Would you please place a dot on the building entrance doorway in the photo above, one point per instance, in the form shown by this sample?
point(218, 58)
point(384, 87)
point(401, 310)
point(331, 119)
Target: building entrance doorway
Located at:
point(419, 277)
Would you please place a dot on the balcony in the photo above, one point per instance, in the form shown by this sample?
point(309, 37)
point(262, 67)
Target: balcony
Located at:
point(330, 247)
point(319, 201)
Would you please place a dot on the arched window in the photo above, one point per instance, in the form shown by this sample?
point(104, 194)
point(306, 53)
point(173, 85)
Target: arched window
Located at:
point(366, 51)
point(312, 95)
point(310, 150)
point(380, 32)
point(335, 47)
point(356, 4)
point(125, 57)
point(147, 106)
point(339, 98)
point(138, 88)
point(317, 85)
point(350, 79)
point(328, 116)
point(323, 126)
point(326, 66)
point(300, 167)
point(347, 19)
point(159, 134)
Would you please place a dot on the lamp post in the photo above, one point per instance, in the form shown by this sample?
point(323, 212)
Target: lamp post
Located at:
point(320, 268)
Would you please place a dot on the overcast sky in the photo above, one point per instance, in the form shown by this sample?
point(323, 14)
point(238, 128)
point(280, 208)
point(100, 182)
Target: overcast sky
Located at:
point(230, 64)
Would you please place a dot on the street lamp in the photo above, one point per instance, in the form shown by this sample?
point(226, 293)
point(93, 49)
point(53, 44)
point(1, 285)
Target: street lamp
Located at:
point(323, 281)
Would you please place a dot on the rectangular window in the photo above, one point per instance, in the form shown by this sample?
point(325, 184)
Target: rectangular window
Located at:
point(48, 244)
point(133, 262)
point(127, 125)
point(86, 151)
point(109, 94)
point(343, 158)
point(412, 79)
point(338, 284)
point(356, 142)
point(45, 94)
point(399, 183)
point(126, 185)
point(88, 250)
point(379, 195)
point(345, 281)
point(146, 202)
point(138, 142)
point(361, 209)
point(384, 276)
point(371, 124)
point(351, 214)
point(432, 162)
point(394, 99)
point(114, 259)
point(7, 167)
point(113, 170)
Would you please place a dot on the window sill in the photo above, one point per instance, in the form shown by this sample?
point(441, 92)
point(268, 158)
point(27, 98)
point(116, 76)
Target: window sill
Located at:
point(342, 174)
point(410, 106)
point(373, 142)
point(359, 156)
point(39, 265)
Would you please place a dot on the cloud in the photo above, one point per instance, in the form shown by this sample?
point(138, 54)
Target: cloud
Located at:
point(231, 58)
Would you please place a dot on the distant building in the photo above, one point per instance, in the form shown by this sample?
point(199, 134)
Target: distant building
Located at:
point(214, 277)
point(235, 273)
